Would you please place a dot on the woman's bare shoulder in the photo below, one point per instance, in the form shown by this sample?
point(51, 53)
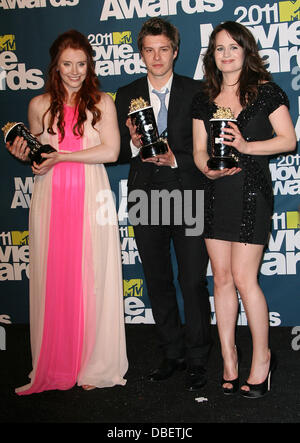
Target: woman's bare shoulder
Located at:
point(40, 103)
point(106, 101)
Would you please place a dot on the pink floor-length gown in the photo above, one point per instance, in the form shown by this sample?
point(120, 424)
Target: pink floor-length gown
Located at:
point(76, 297)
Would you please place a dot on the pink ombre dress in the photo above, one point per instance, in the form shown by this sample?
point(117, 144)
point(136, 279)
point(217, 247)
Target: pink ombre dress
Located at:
point(76, 297)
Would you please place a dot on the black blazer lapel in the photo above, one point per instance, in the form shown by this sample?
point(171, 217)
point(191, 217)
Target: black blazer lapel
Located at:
point(141, 89)
point(175, 107)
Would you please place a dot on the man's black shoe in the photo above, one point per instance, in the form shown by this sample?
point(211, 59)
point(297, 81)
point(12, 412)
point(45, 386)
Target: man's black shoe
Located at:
point(196, 378)
point(166, 369)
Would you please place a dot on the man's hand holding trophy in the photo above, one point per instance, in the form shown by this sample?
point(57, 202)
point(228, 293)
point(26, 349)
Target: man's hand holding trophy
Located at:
point(142, 116)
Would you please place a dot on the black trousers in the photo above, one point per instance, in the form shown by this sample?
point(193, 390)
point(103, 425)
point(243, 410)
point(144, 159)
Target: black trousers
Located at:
point(154, 244)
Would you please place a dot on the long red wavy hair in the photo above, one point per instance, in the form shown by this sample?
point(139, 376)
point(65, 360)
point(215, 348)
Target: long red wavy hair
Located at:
point(88, 95)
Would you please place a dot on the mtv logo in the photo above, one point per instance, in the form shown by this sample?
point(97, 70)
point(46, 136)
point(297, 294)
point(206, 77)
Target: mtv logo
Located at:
point(7, 42)
point(130, 231)
point(292, 220)
point(120, 38)
point(19, 237)
point(112, 94)
point(133, 287)
point(289, 11)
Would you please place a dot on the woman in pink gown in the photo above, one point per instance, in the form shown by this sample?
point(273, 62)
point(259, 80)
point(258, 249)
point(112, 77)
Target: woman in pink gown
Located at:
point(76, 297)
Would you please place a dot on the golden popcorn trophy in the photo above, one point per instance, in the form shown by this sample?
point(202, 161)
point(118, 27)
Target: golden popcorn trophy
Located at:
point(11, 130)
point(142, 116)
point(221, 155)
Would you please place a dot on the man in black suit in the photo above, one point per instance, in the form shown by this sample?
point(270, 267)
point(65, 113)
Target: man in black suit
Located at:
point(175, 170)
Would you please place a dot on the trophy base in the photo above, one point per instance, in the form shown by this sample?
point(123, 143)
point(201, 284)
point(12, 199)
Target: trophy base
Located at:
point(36, 156)
point(156, 148)
point(219, 163)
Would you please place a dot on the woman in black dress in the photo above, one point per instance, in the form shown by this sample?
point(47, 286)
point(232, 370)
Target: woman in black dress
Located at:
point(238, 203)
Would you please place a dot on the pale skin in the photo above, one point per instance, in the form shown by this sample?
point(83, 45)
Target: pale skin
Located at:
point(72, 68)
point(236, 265)
point(158, 56)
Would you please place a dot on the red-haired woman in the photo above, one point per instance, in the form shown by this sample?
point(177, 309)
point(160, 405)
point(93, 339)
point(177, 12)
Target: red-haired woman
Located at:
point(76, 303)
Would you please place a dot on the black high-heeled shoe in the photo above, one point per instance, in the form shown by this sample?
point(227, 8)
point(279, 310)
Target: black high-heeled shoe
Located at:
point(235, 386)
point(235, 383)
point(261, 389)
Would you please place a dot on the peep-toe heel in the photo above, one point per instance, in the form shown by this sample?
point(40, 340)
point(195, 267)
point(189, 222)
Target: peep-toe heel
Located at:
point(261, 389)
point(235, 386)
point(235, 382)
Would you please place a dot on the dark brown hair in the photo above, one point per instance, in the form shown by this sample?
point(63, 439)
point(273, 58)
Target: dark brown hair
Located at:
point(85, 98)
point(253, 72)
point(158, 26)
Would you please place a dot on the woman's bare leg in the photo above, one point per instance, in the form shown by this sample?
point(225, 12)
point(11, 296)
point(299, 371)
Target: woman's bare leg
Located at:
point(226, 304)
point(245, 267)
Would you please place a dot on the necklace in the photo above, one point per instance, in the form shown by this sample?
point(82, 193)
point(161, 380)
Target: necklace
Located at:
point(232, 84)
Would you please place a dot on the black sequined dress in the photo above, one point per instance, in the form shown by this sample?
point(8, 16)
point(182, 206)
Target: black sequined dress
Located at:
point(239, 207)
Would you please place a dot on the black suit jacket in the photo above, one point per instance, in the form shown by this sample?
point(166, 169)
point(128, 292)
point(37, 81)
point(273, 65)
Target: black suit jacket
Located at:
point(180, 137)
